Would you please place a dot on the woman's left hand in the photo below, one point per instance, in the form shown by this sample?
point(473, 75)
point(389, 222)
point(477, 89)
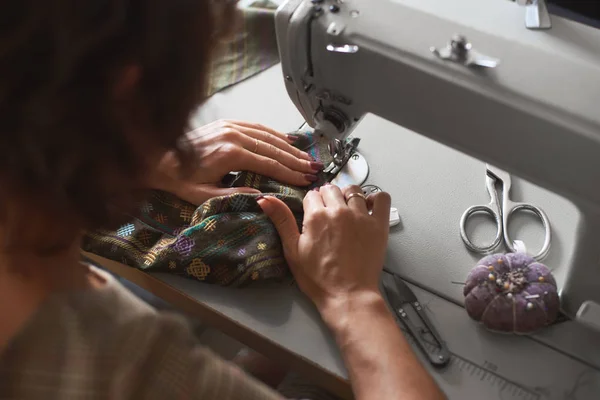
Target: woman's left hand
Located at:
point(225, 146)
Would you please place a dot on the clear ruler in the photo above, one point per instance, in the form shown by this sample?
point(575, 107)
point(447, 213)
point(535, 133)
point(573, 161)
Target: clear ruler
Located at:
point(491, 381)
point(492, 366)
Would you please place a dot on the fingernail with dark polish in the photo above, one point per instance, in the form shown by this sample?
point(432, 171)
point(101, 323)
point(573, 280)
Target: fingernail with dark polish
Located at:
point(317, 166)
point(310, 178)
point(292, 138)
point(259, 197)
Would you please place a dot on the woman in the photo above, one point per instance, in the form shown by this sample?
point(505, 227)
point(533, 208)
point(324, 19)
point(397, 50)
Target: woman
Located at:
point(94, 101)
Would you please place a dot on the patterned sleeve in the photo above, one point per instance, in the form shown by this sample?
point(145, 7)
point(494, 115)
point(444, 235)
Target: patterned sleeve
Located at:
point(186, 370)
point(169, 363)
point(107, 344)
point(176, 366)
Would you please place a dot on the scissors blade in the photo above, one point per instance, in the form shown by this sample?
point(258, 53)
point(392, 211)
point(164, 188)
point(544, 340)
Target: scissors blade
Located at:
point(498, 174)
point(397, 289)
point(401, 297)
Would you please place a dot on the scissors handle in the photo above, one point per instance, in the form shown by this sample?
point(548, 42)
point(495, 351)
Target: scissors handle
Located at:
point(495, 214)
point(516, 207)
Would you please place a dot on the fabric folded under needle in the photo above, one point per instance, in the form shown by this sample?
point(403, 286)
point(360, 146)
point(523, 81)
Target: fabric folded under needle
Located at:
point(228, 240)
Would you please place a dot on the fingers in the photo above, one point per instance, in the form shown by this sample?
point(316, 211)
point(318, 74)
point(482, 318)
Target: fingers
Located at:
point(198, 194)
point(312, 202)
point(284, 222)
point(357, 203)
point(380, 204)
point(268, 150)
point(332, 196)
point(268, 135)
point(262, 128)
point(270, 167)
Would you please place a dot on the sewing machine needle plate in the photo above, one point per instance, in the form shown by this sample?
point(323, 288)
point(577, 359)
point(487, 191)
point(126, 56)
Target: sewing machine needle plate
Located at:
point(355, 172)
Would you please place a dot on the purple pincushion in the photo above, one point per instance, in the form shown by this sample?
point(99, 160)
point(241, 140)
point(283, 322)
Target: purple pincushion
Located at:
point(511, 293)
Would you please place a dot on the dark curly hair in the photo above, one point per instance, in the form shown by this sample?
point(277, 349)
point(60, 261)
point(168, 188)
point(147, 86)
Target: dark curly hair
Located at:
point(73, 147)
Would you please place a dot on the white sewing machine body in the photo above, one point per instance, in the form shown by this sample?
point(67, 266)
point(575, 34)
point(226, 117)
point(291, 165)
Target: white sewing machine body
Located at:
point(531, 106)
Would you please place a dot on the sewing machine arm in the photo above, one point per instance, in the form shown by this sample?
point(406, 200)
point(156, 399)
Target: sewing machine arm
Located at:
point(536, 114)
point(523, 106)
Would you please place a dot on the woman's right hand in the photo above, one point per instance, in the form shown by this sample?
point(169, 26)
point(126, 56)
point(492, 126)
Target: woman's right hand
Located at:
point(338, 257)
point(337, 261)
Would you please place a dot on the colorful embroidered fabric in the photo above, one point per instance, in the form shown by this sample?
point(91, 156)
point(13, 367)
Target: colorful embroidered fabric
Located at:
point(226, 241)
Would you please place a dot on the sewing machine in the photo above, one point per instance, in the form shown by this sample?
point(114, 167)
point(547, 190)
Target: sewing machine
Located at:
point(512, 101)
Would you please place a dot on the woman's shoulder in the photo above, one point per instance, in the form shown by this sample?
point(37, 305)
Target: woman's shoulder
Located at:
point(106, 343)
point(88, 340)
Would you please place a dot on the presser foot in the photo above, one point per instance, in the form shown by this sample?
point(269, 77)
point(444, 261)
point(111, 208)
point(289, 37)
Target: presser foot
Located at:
point(348, 166)
point(354, 172)
point(341, 151)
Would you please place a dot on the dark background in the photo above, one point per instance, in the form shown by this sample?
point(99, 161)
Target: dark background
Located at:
point(585, 11)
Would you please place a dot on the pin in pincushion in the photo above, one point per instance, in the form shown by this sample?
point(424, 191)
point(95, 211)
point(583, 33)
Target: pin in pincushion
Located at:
point(511, 293)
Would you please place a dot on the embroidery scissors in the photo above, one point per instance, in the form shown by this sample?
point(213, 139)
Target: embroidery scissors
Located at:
point(400, 298)
point(501, 212)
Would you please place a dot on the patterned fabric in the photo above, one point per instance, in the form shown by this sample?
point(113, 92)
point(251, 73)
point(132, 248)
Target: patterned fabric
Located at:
point(252, 50)
point(228, 240)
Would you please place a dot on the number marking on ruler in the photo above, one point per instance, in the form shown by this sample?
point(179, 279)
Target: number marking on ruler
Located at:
point(486, 372)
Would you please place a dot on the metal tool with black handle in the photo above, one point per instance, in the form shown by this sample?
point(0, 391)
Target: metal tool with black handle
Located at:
point(399, 297)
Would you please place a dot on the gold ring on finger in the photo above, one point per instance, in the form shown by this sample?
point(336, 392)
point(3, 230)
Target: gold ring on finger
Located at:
point(256, 146)
point(351, 195)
